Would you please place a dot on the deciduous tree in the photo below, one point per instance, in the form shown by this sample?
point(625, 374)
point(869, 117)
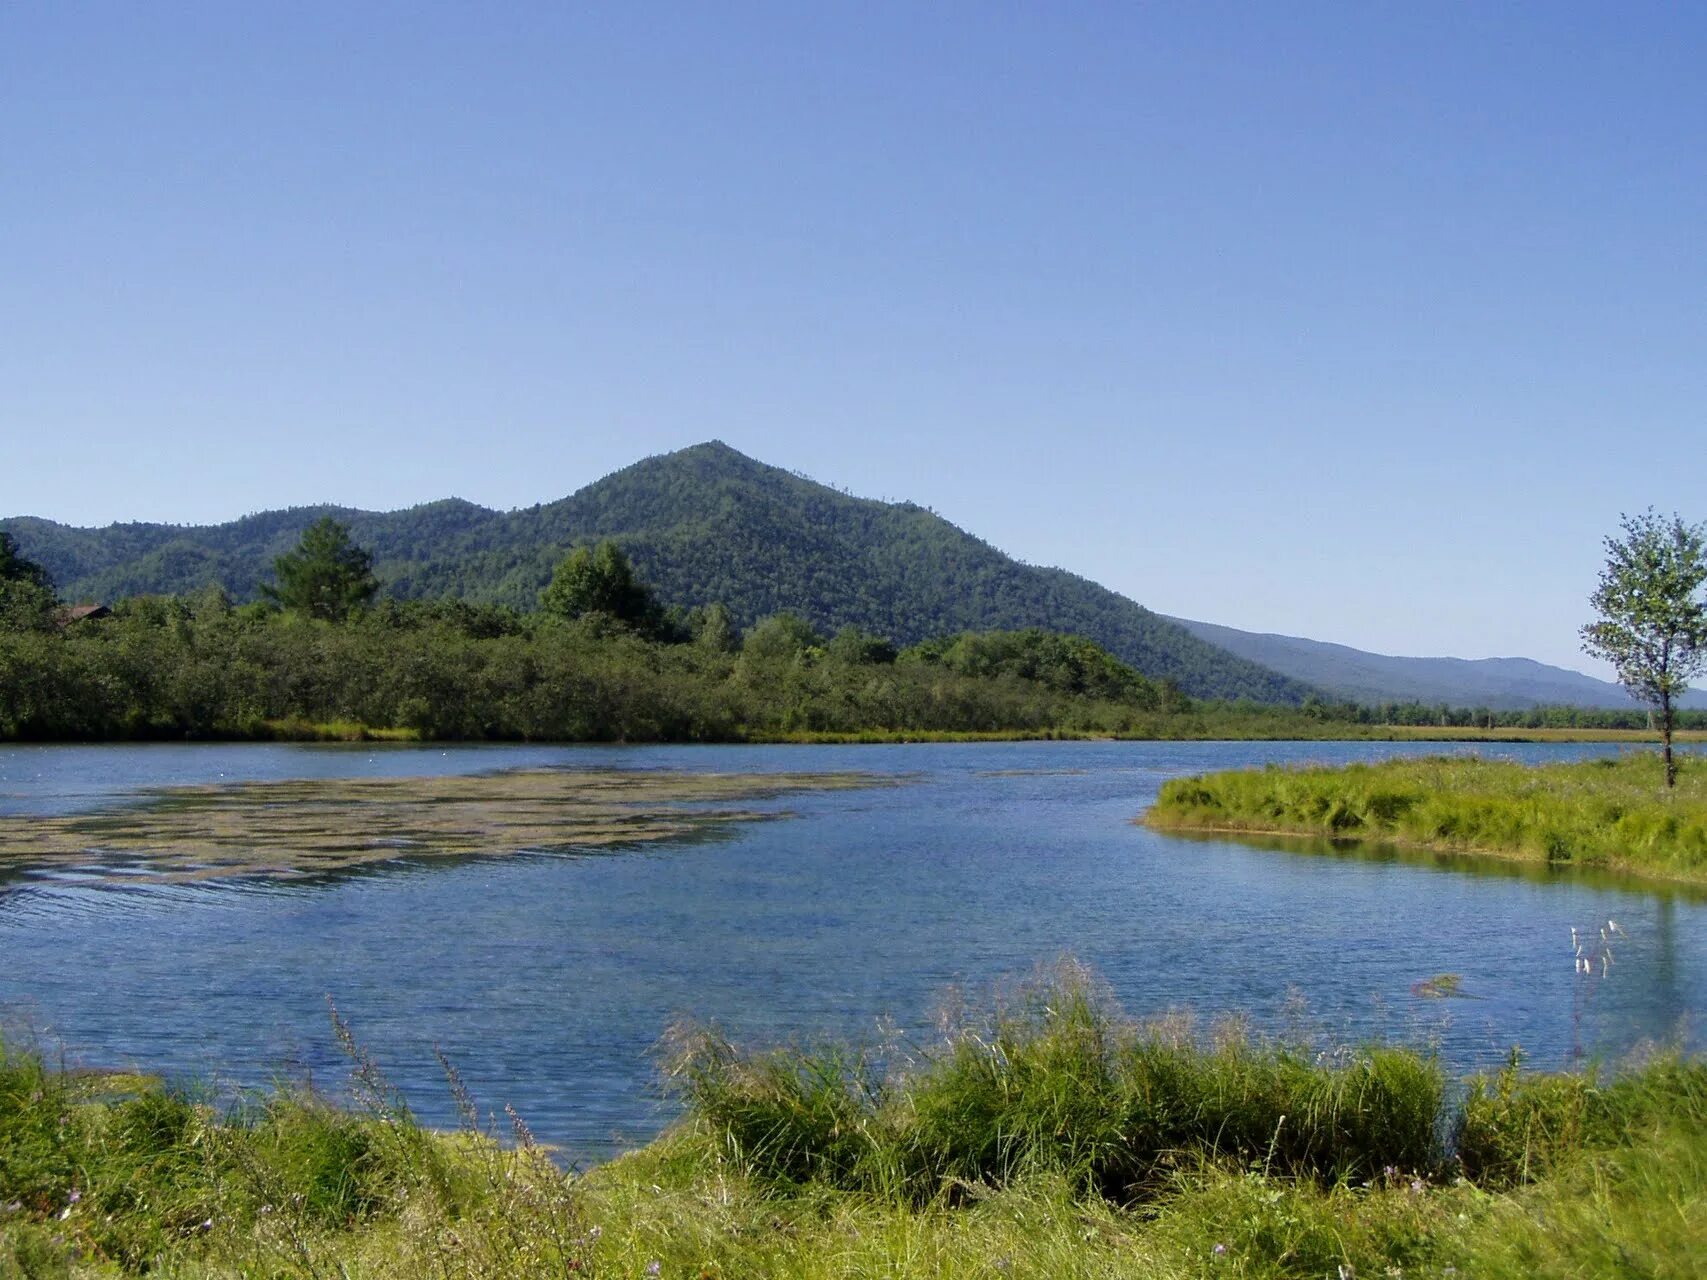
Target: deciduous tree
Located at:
point(1653, 619)
point(600, 580)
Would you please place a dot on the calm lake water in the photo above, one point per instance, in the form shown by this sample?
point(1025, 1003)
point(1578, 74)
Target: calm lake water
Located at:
point(549, 978)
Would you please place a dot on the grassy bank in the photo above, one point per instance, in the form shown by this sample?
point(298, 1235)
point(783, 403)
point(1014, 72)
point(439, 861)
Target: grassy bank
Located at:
point(1046, 1137)
point(1515, 733)
point(1611, 813)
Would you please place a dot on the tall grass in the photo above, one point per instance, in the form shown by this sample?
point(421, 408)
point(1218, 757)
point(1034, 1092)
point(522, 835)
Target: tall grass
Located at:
point(1612, 813)
point(1044, 1136)
point(1056, 1082)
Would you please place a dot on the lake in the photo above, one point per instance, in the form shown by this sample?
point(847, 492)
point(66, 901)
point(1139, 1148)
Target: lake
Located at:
point(548, 978)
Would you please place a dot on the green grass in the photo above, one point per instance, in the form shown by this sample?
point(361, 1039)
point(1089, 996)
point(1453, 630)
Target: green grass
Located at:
point(1610, 813)
point(1045, 1136)
point(298, 729)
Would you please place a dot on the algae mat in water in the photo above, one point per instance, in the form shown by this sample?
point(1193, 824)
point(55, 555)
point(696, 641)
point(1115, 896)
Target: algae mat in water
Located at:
point(313, 827)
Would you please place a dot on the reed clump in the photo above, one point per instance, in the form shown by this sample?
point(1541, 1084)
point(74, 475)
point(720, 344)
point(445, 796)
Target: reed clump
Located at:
point(1055, 1082)
point(1613, 813)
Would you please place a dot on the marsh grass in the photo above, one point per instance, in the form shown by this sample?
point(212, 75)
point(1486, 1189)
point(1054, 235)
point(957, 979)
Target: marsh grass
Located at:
point(1042, 1136)
point(1055, 1082)
point(1609, 813)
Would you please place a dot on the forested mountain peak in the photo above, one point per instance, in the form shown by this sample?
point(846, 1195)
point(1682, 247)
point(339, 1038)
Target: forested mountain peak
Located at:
point(704, 524)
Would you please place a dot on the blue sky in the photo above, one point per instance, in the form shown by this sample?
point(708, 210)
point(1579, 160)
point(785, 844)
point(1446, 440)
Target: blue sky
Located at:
point(1362, 321)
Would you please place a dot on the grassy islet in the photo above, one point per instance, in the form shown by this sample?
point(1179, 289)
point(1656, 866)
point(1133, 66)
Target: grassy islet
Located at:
point(1612, 813)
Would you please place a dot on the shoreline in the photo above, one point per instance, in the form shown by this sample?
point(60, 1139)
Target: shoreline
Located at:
point(351, 732)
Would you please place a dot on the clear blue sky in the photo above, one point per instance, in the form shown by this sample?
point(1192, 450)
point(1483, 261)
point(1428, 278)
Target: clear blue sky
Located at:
point(1357, 321)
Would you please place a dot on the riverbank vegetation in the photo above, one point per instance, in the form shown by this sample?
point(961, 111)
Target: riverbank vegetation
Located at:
point(601, 660)
point(1044, 1137)
point(171, 667)
point(1611, 813)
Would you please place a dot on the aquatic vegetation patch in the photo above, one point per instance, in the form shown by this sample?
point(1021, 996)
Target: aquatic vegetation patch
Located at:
point(316, 826)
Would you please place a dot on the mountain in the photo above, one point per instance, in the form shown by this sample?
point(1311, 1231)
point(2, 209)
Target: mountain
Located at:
point(1497, 683)
point(701, 525)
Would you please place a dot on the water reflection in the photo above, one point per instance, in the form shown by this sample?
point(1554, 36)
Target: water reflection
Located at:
point(1531, 870)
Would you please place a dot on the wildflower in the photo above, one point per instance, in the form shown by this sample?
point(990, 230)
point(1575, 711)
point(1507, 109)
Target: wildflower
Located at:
point(1219, 1250)
point(1005, 1265)
point(654, 1267)
point(1416, 1186)
point(74, 1197)
point(1390, 1172)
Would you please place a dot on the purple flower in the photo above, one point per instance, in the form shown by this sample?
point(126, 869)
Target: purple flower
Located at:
point(654, 1267)
point(1218, 1250)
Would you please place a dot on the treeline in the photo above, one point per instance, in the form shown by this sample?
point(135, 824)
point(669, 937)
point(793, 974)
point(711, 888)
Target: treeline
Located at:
point(1439, 715)
point(600, 660)
point(201, 667)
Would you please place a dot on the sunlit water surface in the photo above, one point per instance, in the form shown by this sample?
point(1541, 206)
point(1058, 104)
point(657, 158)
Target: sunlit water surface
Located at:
point(548, 978)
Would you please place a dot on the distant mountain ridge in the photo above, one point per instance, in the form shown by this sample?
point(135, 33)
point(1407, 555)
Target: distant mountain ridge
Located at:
point(708, 523)
point(1500, 684)
point(702, 524)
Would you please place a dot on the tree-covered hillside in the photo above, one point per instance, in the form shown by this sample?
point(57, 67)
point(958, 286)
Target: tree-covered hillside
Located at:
point(703, 525)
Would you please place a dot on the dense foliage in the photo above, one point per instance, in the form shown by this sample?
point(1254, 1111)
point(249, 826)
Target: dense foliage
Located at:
point(599, 581)
point(201, 666)
point(1608, 813)
point(163, 666)
point(26, 593)
point(702, 525)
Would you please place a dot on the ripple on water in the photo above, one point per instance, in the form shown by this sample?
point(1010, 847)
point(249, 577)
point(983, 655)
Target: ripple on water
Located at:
point(549, 978)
